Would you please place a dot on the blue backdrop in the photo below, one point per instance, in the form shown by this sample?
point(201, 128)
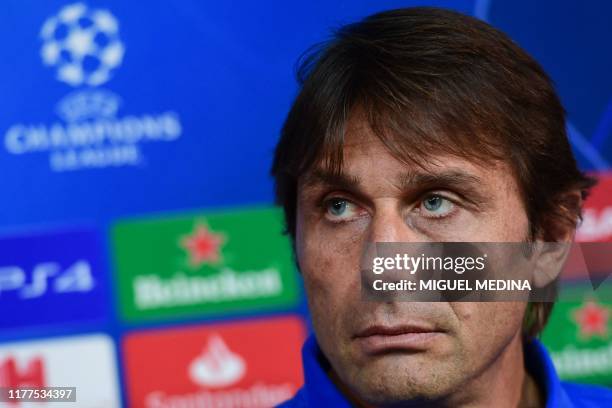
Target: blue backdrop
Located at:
point(111, 109)
point(223, 72)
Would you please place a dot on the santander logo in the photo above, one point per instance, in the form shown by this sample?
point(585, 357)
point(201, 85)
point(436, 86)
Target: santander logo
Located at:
point(597, 214)
point(596, 225)
point(224, 365)
point(217, 366)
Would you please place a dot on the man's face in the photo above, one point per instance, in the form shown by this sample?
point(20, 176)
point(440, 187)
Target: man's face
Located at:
point(394, 351)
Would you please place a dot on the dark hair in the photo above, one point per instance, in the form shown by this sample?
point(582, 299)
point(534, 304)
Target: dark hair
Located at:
point(431, 81)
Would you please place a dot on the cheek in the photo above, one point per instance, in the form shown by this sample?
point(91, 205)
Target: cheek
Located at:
point(328, 255)
point(487, 325)
point(508, 223)
point(329, 266)
point(330, 269)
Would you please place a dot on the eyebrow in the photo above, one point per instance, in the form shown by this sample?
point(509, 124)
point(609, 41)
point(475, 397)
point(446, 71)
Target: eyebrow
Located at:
point(448, 178)
point(407, 180)
point(338, 180)
point(469, 185)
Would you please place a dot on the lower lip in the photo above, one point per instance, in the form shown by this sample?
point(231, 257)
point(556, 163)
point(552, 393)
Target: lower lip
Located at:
point(379, 343)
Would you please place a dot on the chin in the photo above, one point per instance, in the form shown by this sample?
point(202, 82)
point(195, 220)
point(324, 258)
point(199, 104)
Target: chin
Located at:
point(398, 390)
point(392, 379)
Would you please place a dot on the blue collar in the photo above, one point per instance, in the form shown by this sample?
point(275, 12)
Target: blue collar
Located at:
point(319, 391)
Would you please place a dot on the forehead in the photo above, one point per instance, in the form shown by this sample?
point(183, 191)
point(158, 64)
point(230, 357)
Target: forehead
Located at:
point(368, 158)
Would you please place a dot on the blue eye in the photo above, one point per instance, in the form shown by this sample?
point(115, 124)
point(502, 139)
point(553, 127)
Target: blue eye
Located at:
point(339, 209)
point(436, 206)
point(432, 203)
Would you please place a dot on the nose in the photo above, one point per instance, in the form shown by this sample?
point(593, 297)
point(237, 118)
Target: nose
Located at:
point(390, 225)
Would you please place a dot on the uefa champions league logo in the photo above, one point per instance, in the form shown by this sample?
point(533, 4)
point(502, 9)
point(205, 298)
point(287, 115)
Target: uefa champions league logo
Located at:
point(82, 44)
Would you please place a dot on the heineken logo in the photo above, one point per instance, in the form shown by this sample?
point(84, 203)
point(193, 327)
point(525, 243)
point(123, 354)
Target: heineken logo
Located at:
point(578, 335)
point(202, 264)
point(588, 364)
point(203, 245)
point(592, 320)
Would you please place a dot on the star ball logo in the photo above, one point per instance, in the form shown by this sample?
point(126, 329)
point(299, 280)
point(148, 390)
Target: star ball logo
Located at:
point(203, 264)
point(82, 44)
point(84, 48)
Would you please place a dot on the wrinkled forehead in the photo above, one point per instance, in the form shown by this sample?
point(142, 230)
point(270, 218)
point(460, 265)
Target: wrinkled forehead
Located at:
point(366, 151)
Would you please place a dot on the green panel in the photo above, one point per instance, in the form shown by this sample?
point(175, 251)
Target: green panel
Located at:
point(244, 264)
point(579, 334)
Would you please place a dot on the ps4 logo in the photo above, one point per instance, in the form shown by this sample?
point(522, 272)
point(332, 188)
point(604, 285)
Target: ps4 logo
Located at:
point(46, 277)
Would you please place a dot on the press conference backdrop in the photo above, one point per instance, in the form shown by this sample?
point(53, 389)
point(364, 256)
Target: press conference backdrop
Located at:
point(141, 259)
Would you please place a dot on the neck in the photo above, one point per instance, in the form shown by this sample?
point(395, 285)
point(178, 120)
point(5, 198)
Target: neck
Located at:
point(503, 383)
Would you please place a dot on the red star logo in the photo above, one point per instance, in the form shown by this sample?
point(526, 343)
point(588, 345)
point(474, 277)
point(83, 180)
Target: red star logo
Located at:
point(592, 319)
point(203, 245)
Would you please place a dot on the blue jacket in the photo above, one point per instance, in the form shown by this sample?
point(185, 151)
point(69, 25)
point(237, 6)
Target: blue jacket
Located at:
point(319, 391)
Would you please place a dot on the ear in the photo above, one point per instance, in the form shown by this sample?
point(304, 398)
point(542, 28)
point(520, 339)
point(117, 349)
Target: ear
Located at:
point(550, 261)
point(555, 238)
